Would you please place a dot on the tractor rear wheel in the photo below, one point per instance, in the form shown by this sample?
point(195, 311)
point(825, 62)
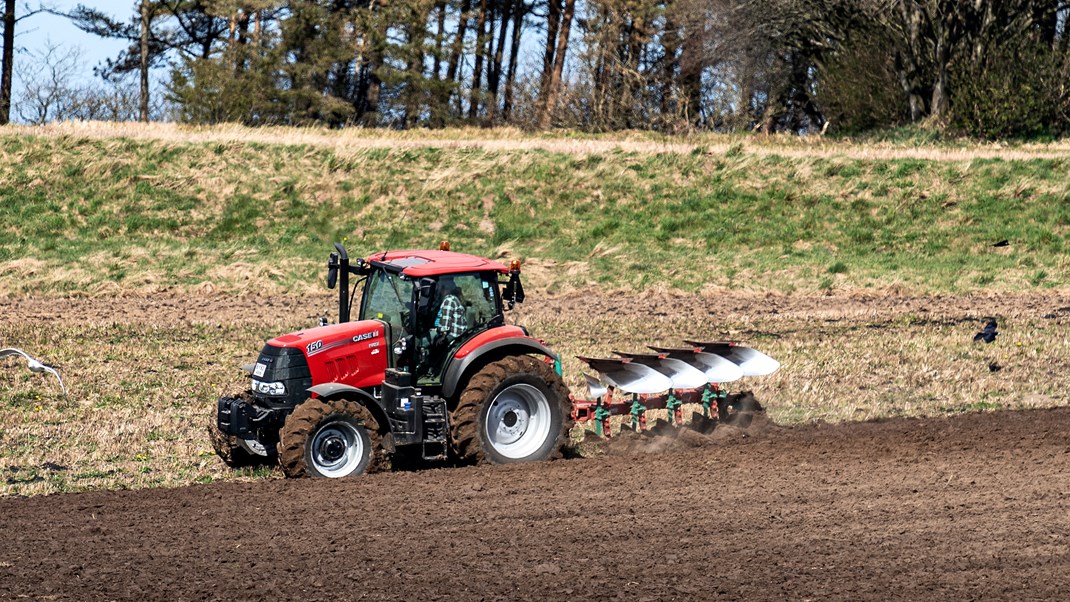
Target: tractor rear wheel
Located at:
point(332, 439)
point(513, 410)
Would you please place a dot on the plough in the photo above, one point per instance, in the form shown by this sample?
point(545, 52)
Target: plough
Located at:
point(635, 383)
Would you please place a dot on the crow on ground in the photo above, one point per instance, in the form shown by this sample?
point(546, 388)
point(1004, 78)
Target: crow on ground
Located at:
point(989, 333)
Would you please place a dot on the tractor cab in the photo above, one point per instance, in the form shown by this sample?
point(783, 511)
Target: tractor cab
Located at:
point(433, 302)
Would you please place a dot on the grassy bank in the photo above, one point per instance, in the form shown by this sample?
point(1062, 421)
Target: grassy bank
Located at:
point(97, 215)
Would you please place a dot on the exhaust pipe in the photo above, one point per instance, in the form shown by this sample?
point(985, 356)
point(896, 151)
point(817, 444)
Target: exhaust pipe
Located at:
point(338, 274)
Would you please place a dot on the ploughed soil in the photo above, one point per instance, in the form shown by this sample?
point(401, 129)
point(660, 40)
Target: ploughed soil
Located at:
point(242, 310)
point(973, 506)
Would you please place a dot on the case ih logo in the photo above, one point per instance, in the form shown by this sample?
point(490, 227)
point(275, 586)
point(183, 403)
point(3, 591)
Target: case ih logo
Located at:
point(318, 347)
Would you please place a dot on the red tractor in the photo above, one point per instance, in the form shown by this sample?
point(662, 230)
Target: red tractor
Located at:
point(429, 368)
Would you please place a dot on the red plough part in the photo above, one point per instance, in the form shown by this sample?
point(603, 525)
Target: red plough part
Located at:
point(635, 383)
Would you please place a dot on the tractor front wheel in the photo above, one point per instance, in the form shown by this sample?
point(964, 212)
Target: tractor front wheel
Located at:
point(514, 410)
point(332, 439)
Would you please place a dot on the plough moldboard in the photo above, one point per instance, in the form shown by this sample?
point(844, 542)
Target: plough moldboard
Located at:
point(667, 378)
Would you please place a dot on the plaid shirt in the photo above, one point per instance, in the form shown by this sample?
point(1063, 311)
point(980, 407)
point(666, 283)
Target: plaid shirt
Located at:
point(452, 319)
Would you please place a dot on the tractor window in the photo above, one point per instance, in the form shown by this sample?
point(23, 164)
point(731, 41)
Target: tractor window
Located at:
point(388, 297)
point(478, 295)
point(465, 304)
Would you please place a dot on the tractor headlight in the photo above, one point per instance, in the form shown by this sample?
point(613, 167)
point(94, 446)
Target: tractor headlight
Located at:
point(269, 388)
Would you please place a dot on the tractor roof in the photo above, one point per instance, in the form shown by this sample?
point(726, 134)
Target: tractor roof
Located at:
point(419, 264)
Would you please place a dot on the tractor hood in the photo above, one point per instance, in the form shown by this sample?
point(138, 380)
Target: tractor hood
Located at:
point(351, 353)
point(322, 339)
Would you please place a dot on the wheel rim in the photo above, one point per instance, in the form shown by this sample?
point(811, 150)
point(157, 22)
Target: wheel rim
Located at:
point(518, 421)
point(337, 449)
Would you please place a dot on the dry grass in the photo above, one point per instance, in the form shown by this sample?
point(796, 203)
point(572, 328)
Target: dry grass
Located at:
point(838, 369)
point(567, 142)
point(143, 386)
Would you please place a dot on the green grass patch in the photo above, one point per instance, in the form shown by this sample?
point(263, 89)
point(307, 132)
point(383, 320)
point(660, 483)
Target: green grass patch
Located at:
point(114, 215)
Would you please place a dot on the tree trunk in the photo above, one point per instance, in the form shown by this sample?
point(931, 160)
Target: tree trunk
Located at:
point(144, 106)
point(369, 85)
point(559, 65)
point(256, 29)
point(494, 83)
point(691, 73)
point(243, 27)
point(907, 59)
point(458, 41)
point(941, 100)
point(670, 46)
point(553, 23)
point(457, 50)
point(8, 57)
point(440, 34)
point(417, 89)
point(477, 68)
point(514, 50)
point(1046, 17)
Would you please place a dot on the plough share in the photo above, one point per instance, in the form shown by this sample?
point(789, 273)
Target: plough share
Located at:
point(635, 383)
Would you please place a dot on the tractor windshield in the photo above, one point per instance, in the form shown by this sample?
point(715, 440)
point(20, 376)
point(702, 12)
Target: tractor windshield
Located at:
point(388, 297)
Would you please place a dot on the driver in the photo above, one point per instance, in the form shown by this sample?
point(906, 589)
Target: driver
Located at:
point(452, 319)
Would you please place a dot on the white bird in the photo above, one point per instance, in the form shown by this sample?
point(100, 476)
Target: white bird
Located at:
point(35, 366)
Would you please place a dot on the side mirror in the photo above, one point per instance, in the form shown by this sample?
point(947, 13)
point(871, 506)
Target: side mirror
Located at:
point(514, 290)
point(332, 270)
point(426, 294)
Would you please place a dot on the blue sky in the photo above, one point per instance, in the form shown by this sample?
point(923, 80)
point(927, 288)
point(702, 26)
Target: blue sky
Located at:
point(34, 33)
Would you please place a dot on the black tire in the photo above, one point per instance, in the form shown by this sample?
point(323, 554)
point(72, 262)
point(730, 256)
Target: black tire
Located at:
point(528, 402)
point(331, 439)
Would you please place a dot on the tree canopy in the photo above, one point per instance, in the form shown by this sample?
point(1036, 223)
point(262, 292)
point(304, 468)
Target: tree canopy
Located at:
point(987, 68)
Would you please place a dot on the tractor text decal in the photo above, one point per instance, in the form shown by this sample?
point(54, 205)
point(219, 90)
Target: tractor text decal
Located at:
point(318, 347)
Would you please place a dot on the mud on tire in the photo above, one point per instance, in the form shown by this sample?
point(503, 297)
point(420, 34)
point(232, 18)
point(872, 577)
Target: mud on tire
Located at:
point(326, 427)
point(521, 393)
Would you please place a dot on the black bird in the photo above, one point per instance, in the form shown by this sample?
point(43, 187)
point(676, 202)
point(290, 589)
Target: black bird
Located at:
point(989, 333)
point(1002, 243)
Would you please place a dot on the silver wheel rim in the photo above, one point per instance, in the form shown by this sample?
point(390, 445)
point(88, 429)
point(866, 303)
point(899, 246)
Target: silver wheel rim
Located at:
point(518, 421)
point(337, 449)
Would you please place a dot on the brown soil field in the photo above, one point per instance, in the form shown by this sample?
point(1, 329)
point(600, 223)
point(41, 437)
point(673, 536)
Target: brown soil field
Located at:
point(969, 507)
point(965, 505)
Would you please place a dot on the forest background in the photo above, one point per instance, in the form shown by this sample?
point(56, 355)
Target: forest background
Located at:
point(981, 68)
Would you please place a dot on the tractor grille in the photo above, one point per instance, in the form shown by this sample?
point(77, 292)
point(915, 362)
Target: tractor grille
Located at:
point(282, 365)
